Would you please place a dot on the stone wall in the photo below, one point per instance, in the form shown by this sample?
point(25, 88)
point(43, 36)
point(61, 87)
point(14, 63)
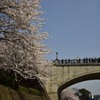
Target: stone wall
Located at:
point(63, 73)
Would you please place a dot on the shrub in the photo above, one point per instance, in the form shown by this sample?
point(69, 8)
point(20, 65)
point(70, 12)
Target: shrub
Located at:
point(31, 91)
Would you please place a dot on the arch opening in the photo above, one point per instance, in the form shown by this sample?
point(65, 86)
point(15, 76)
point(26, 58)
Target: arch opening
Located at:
point(92, 76)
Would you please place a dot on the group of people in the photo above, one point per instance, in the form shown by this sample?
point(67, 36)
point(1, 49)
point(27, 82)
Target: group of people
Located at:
point(78, 60)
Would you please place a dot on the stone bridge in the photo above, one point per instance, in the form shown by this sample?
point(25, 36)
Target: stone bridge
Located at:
point(68, 72)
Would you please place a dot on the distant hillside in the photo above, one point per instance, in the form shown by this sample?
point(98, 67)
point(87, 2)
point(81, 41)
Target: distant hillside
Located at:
point(22, 93)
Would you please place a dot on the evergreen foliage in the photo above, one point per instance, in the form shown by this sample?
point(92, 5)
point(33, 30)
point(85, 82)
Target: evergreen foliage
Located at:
point(8, 79)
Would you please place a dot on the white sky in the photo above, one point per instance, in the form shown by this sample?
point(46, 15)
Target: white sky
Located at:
point(93, 86)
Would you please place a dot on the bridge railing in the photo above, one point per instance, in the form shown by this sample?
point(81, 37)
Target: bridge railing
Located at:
point(77, 61)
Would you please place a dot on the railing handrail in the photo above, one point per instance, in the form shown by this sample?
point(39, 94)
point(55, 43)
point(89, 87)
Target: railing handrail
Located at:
point(77, 61)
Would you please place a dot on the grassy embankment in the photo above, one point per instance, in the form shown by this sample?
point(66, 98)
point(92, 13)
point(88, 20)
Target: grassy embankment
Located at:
point(7, 93)
point(10, 89)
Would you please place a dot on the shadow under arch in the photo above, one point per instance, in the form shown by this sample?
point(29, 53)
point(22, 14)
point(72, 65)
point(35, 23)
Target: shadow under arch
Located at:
point(92, 76)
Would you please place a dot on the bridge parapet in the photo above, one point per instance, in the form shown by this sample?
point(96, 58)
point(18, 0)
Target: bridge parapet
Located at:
point(65, 70)
point(78, 61)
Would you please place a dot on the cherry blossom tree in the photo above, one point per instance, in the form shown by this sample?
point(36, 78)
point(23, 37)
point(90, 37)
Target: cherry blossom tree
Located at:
point(69, 94)
point(21, 39)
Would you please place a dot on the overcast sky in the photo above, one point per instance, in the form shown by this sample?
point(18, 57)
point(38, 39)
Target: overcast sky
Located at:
point(75, 28)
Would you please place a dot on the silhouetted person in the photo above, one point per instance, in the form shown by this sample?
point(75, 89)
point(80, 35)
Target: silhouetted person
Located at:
point(86, 60)
point(68, 60)
point(62, 61)
point(89, 60)
point(83, 60)
point(99, 60)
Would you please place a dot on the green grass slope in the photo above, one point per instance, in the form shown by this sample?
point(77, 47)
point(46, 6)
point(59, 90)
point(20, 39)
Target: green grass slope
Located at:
point(7, 93)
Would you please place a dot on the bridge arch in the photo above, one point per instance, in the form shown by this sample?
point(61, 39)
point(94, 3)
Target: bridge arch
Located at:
point(91, 76)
